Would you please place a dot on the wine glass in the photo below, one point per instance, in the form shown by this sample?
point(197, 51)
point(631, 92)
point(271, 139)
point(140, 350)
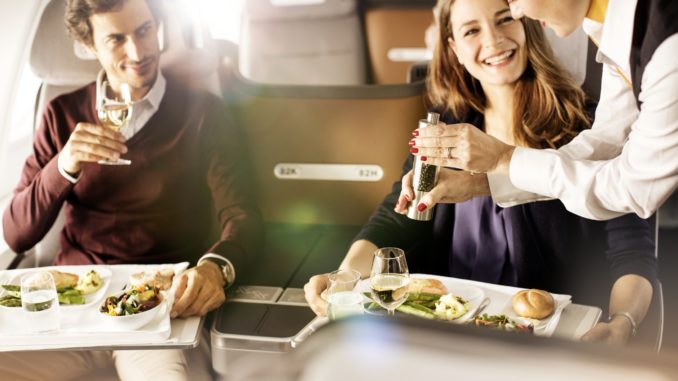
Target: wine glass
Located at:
point(114, 112)
point(390, 278)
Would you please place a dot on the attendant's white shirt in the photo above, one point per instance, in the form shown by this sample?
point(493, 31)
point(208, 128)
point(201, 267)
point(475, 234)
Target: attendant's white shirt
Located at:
point(628, 161)
point(142, 112)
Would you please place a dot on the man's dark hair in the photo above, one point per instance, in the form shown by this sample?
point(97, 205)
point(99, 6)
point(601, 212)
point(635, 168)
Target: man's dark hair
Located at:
point(78, 13)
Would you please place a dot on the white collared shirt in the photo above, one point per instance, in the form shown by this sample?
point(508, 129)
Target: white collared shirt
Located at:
point(145, 108)
point(628, 161)
point(142, 112)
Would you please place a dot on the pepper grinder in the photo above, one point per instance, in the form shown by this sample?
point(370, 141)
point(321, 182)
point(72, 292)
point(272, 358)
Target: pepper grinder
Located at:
point(425, 177)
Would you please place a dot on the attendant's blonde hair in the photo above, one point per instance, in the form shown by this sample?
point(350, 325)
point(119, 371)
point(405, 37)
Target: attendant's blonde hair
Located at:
point(549, 105)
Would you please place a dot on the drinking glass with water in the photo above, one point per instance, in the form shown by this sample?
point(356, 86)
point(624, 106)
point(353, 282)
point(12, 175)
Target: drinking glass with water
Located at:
point(343, 300)
point(40, 302)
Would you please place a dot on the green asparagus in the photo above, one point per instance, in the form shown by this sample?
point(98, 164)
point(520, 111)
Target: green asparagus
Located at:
point(67, 295)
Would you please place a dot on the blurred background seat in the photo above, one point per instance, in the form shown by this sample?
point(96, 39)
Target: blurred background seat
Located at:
point(302, 43)
point(394, 33)
point(323, 157)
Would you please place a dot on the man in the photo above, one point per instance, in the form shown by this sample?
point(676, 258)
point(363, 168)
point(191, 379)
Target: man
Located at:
point(186, 167)
point(627, 161)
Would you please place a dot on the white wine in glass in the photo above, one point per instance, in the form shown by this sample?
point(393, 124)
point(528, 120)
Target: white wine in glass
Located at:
point(115, 113)
point(390, 278)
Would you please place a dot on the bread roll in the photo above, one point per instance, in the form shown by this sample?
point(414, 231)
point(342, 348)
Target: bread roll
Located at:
point(533, 304)
point(427, 286)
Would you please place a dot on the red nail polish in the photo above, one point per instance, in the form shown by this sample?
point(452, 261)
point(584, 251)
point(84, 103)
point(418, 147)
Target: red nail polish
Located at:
point(421, 207)
point(411, 143)
point(422, 158)
point(414, 150)
point(415, 133)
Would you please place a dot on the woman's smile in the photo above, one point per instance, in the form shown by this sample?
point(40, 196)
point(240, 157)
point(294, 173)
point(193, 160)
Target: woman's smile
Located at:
point(500, 59)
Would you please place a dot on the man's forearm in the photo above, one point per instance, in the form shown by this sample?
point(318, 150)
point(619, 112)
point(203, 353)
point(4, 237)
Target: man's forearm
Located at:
point(35, 207)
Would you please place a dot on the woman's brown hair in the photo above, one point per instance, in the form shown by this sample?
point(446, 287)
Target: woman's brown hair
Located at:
point(549, 106)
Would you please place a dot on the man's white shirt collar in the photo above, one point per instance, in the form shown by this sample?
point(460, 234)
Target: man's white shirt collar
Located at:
point(615, 34)
point(146, 107)
point(157, 91)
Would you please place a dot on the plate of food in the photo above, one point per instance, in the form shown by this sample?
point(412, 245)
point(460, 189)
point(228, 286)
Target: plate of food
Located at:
point(538, 307)
point(503, 323)
point(436, 298)
point(77, 286)
point(133, 308)
point(160, 278)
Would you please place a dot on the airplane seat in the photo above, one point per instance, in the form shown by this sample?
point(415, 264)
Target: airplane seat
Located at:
point(189, 52)
point(418, 71)
point(322, 158)
point(393, 28)
point(53, 60)
point(62, 67)
point(228, 53)
point(288, 127)
point(319, 43)
point(651, 332)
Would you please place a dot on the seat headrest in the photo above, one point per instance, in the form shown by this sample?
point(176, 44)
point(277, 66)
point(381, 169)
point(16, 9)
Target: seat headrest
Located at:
point(53, 57)
point(267, 10)
point(399, 3)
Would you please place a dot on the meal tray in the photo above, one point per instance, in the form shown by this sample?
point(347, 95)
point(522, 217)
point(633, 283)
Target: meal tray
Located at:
point(83, 327)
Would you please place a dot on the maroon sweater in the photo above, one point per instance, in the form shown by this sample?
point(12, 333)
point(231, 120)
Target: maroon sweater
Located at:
point(188, 170)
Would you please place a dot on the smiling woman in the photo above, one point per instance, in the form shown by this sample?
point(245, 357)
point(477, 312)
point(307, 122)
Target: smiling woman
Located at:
point(490, 46)
point(468, 67)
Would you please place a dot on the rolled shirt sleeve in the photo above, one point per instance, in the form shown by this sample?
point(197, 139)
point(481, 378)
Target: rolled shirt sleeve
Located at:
point(640, 177)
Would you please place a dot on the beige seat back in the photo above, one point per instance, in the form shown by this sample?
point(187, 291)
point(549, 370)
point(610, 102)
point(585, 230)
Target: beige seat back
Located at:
point(297, 135)
point(319, 43)
point(53, 60)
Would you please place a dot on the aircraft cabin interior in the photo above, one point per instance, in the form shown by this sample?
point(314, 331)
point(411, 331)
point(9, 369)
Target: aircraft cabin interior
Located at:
point(323, 96)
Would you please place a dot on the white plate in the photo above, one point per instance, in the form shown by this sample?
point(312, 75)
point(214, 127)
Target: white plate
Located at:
point(474, 295)
point(80, 271)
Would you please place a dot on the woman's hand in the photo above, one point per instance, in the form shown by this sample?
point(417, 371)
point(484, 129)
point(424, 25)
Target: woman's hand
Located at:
point(631, 293)
point(313, 290)
point(452, 187)
point(461, 146)
point(617, 331)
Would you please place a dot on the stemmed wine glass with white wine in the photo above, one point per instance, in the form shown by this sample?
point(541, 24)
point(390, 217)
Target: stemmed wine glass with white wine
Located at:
point(390, 278)
point(114, 112)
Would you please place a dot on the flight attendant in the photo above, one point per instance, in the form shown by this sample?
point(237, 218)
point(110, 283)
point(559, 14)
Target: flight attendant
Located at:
point(628, 161)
